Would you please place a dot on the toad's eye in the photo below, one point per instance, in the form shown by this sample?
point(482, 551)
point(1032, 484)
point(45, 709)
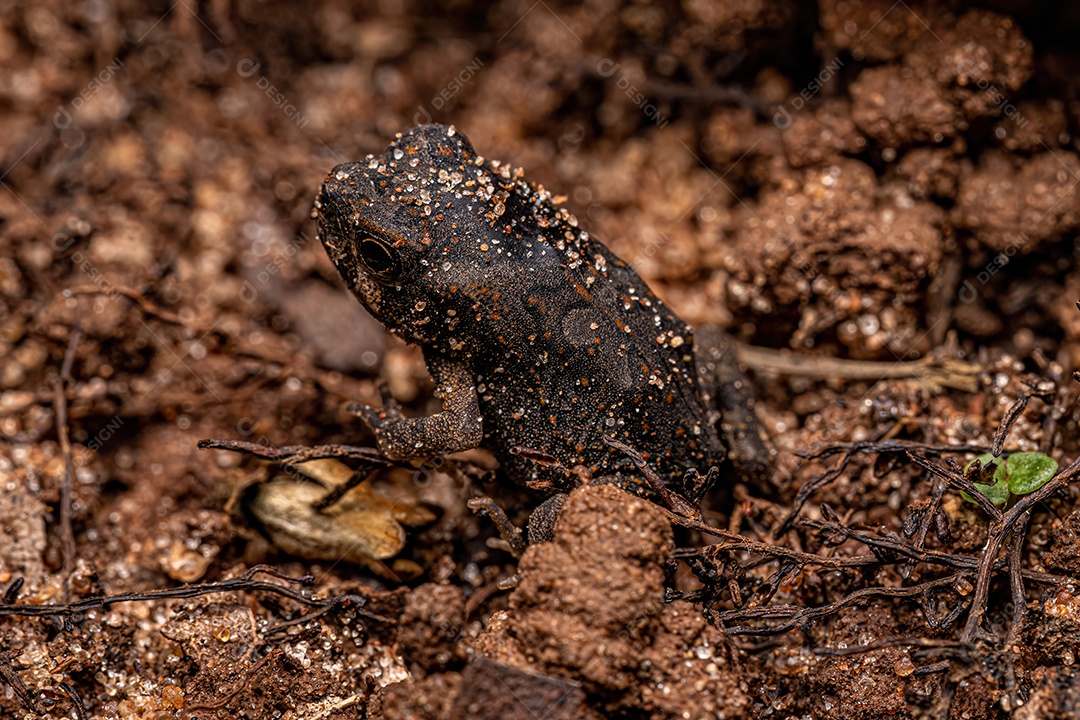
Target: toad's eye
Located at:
point(378, 256)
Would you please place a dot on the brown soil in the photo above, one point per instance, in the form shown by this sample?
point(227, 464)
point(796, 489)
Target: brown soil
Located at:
point(871, 181)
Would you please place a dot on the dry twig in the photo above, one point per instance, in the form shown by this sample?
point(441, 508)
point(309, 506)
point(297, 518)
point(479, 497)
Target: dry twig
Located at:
point(67, 534)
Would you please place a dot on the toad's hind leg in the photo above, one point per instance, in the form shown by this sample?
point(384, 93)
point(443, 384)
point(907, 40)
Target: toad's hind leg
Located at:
point(542, 520)
point(728, 390)
point(541, 526)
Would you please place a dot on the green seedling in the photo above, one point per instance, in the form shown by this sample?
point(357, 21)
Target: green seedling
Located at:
point(1019, 474)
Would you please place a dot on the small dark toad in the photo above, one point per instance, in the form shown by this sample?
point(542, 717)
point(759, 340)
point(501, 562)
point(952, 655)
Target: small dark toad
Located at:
point(541, 342)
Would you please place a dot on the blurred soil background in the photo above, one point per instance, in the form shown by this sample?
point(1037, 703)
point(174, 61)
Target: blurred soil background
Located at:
point(866, 180)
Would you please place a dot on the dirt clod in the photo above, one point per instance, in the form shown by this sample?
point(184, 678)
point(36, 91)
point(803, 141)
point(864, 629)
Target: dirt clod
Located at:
point(431, 626)
point(587, 609)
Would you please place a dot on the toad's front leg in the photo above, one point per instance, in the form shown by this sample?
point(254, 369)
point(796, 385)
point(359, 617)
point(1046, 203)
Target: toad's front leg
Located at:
point(458, 427)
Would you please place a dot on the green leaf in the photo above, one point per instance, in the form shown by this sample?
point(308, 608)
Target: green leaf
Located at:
point(998, 493)
point(1029, 471)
